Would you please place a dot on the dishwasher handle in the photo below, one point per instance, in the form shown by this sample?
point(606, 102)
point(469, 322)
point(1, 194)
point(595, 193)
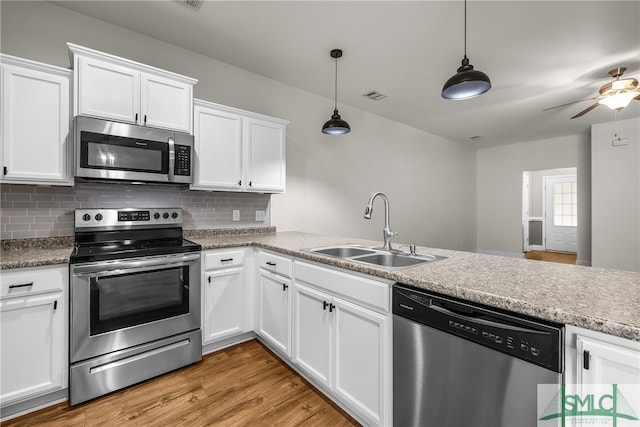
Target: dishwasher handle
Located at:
point(439, 307)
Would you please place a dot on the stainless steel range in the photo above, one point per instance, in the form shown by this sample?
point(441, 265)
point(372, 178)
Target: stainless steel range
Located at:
point(134, 301)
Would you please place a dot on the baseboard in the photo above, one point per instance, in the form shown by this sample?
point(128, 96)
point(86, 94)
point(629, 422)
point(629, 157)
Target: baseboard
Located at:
point(18, 409)
point(584, 262)
point(219, 345)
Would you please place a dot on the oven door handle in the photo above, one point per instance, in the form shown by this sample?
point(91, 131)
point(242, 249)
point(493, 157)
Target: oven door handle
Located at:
point(111, 268)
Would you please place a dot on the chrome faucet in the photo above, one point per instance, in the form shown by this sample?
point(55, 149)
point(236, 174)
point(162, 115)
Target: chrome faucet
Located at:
point(387, 233)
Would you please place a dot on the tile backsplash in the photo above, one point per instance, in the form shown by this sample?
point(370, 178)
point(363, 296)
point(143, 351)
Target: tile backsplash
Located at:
point(28, 211)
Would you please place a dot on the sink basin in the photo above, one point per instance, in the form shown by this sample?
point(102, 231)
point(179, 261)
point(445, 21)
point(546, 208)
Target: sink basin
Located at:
point(375, 256)
point(396, 260)
point(343, 251)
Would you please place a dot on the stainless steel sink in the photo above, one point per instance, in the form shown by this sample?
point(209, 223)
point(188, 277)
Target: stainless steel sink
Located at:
point(343, 251)
point(375, 256)
point(396, 260)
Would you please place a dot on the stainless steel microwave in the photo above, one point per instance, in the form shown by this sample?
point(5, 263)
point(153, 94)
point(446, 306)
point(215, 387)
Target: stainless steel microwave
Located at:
point(106, 150)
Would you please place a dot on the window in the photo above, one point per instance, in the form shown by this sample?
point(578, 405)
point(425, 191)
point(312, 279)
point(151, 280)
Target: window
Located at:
point(565, 204)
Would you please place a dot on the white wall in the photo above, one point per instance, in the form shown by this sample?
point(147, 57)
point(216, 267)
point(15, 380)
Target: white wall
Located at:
point(430, 181)
point(499, 190)
point(616, 195)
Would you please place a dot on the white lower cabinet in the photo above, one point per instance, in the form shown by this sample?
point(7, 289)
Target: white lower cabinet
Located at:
point(601, 372)
point(314, 333)
point(597, 358)
point(342, 342)
point(33, 331)
point(274, 322)
point(226, 311)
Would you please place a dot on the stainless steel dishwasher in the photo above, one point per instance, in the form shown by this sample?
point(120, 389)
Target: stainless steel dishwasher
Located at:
point(458, 364)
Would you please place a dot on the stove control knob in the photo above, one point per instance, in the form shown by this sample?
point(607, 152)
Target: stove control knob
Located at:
point(165, 215)
point(174, 215)
point(86, 217)
point(156, 215)
point(98, 217)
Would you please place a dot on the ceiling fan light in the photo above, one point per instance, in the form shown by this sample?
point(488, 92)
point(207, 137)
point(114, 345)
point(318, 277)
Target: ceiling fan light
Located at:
point(619, 100)
point(336, 125)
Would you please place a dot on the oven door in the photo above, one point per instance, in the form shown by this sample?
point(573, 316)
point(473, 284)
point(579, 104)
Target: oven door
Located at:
point(119, 304)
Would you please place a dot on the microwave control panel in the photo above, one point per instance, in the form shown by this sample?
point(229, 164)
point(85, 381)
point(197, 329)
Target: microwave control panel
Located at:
point(183, 160)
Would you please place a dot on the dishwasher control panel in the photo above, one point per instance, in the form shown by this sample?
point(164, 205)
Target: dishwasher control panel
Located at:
point(533, 340)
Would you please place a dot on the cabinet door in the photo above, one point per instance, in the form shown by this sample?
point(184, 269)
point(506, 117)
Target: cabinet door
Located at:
point(607, 363)
point(275, 311)
point(36, 146)
point(108, 91)
point(218, 149)
point(33, 346)
point(266, 156)
point(224, 303)
point(313, 332)
point(166, 103)
point(361, 352)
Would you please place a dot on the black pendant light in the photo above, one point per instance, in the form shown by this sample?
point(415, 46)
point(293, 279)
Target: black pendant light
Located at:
point(336, 125)
point(467, 82)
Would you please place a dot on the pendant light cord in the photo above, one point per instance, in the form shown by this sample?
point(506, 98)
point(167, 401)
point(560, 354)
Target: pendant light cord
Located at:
point(465, 28)
point(335, 91)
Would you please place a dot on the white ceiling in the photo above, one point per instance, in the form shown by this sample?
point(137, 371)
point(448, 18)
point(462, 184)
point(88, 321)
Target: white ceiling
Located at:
point(537, 53)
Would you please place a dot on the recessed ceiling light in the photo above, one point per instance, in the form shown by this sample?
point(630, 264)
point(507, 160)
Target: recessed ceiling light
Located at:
point(375, 95)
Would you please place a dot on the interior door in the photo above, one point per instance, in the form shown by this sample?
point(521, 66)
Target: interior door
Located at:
point(561, 213)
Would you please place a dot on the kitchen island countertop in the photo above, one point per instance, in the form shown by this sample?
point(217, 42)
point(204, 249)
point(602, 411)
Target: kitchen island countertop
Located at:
point(600, 299)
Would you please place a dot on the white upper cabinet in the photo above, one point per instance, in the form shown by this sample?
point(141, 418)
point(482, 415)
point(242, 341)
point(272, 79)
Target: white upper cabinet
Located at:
point(238, 150)
point(36, 145)
point(266, 155)
point(218, 148)
point(107, 90)
point(114, 88)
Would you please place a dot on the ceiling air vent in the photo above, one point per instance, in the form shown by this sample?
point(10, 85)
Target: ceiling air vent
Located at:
point(376, 96)
point(191, 4)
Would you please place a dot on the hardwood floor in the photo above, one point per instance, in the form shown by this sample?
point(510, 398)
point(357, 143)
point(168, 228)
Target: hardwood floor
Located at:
point(561, 257)
point(244, 385)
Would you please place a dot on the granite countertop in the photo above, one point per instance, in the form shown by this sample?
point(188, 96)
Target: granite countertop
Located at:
point(599, 299)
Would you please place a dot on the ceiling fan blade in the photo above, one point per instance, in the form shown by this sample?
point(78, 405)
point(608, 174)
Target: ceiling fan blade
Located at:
point(570, 103)
point(585, 111)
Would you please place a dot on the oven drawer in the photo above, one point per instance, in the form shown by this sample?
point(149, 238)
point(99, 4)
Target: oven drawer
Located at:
point(104, 374)
point(213, 260)
point(31, 281)
point(275, 263)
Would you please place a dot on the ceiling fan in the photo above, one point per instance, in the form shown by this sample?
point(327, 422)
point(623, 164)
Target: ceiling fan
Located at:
point(615, 95)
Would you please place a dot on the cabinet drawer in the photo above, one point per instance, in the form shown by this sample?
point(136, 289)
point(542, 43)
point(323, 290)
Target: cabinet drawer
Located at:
point(361, 290)
point(29, 281)
point(222, 259)
point(275, 263)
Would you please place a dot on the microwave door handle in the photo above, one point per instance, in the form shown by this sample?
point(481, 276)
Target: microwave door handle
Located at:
point(172, 157)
